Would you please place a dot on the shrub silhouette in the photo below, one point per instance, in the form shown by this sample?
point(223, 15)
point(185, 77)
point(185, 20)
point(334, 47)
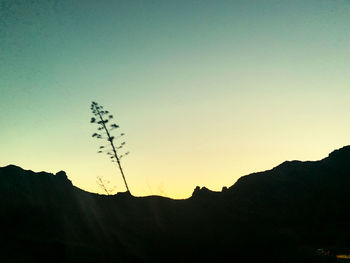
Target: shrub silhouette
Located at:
point(105, 185)
point(102, 117)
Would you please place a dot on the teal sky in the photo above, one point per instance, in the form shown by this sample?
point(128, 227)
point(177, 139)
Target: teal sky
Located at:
point(206, 91)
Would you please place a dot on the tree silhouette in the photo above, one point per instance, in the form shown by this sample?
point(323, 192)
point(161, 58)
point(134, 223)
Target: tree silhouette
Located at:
point(102, 117)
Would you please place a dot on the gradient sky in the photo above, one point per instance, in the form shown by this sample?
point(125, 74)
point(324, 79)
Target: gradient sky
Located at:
point(206, 91)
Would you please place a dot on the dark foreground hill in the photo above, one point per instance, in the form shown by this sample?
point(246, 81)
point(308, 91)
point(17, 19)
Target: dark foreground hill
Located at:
point(281, 215)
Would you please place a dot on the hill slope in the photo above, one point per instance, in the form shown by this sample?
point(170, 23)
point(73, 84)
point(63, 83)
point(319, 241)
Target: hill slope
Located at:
point(279, 215)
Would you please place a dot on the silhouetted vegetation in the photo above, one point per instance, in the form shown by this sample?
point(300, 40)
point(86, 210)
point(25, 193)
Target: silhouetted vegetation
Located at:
point(102, 118)
point(105, 185)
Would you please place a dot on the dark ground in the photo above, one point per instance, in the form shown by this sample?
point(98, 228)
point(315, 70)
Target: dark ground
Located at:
point(281, 215)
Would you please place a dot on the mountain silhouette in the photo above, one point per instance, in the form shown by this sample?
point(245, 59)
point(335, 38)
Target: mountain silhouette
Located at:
point(281, 215)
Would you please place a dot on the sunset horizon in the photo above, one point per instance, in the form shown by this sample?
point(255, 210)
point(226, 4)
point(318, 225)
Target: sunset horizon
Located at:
point(206, 92)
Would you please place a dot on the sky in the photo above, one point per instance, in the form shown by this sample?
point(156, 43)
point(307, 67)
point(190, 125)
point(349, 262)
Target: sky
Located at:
point(205, 91)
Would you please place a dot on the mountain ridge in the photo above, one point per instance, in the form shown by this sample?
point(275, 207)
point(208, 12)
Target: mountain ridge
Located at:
point(340, 154)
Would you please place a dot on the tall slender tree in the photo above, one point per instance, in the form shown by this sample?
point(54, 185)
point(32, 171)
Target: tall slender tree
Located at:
point(102, 118)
